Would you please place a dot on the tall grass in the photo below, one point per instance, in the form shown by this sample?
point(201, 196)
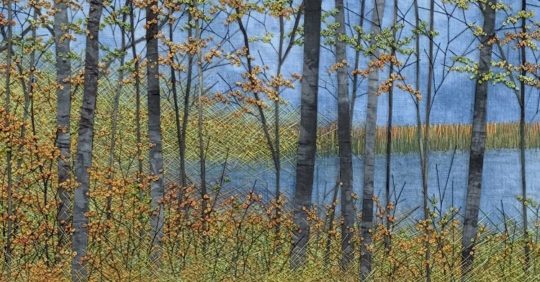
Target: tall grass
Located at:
point(444, 137)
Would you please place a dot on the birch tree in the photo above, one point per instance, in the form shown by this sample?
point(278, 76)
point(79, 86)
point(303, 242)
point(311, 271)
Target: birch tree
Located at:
point(478, 139)
point(308, 131)
point(63, 109)
point(85, 143)
point(154, 128)
point(344, 136)
point(369, 149)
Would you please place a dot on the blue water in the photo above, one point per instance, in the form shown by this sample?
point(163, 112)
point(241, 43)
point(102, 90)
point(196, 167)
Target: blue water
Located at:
point(447, 184)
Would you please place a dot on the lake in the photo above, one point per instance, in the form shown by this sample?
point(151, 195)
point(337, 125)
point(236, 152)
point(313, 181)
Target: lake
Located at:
point(447, 180)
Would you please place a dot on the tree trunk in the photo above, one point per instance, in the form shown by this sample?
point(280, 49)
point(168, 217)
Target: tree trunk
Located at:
point(264, 123)
point(419, 135)
point(522, 146)
point(355, 81)
point(425, 161)
point(9, 150)
point(28, 88)
point(137, 93)
point(181, 124)
point(344, 139)
point(185, 119)
point(308, 131)
point(389, 125)
point(185, 116)
point(200, 134)
point(478, 141)
point(115, 113)
point(84, 143)
point(369, 150)
point(154, 129)
point(277, 140)
point(283, 52)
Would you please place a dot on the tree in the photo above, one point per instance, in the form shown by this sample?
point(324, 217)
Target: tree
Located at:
point(205, 208)
point(9, 151)
point(478, 138)
point(522, 142)
point(369, 149)
point(262, 81)
point(63, 110)
point(423, 138)
point(389, 126)
point(281, 9)
point(154, 128)
point(522, 39)
point(182, 122)
point(429, 99)
point(137, 91)
point(308, 131)
point(253, 81)
point(355, 75)
point(344, 135)
point(85, 142)
point(115, 113)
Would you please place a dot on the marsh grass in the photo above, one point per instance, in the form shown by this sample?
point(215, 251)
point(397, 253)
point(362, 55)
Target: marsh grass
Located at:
point(444, 137)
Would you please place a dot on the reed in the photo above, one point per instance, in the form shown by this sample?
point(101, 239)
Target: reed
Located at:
point(444, 137)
